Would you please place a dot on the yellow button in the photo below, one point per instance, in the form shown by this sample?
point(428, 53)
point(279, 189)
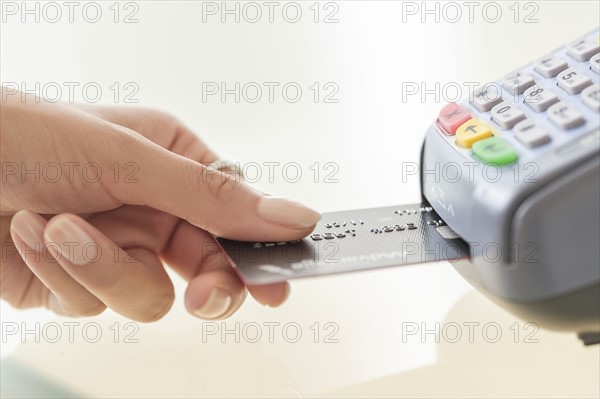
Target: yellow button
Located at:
point(472, 131)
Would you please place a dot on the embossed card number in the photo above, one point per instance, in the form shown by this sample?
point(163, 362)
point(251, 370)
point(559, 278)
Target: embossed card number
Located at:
point(350, 241)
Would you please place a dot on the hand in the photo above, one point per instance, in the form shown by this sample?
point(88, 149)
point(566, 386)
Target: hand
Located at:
point(95, 199)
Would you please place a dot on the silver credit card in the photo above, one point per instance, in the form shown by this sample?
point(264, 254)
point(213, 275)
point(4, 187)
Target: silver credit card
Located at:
point(349, 241)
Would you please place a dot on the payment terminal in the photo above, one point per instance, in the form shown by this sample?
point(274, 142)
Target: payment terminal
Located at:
point(519, 218)
point(527, 198)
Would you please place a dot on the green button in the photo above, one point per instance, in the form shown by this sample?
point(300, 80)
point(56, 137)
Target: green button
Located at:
point(494, 151)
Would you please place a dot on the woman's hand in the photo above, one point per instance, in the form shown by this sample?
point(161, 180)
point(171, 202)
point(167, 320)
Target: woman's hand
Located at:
point(95, 199)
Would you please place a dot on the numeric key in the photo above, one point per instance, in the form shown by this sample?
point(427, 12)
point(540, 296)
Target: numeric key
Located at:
point(486, 97)
point(517, 83)
point(550, 66)
point(591, 97)
point(572, 81)
point(564, 116)
point(582, 50)
point(595, 63)
point(531, 134)
point(506, 114)
point(539, 99)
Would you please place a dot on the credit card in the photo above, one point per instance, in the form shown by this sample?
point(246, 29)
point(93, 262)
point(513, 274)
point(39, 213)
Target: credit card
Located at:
point(349, 241)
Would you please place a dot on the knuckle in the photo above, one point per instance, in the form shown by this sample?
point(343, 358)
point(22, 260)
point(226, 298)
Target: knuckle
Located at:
point(222, 187)
point(153, 114)
point(161, 115)
point(162, 120)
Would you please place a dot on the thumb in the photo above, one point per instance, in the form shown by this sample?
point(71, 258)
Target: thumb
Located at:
point(205, 197)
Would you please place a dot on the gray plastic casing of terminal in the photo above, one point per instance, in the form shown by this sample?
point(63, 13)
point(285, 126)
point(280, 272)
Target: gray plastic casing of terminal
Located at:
point(533, 227)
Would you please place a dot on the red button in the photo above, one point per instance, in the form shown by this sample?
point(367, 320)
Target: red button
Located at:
point(452, 116)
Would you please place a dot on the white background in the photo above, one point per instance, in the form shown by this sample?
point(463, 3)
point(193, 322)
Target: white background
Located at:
point(371, 53)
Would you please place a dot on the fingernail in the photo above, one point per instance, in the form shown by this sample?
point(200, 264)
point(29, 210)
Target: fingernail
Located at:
point(288, 213)
point(30, 229)
point(217, 304)
point(74, 242)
